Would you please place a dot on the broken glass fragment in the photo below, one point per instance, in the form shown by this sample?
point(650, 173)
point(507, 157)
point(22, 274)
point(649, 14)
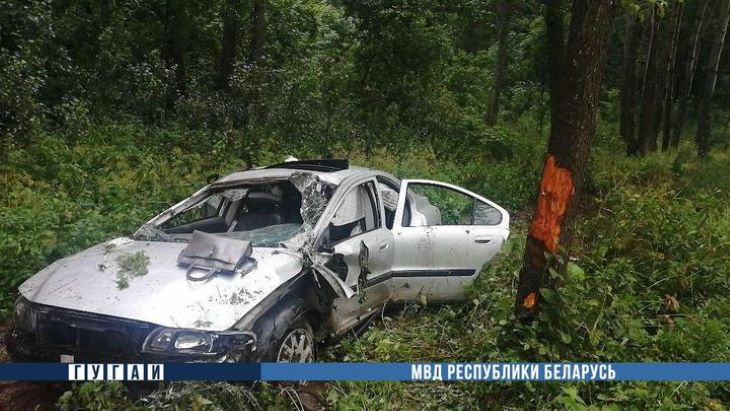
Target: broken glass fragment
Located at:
point(315, 197)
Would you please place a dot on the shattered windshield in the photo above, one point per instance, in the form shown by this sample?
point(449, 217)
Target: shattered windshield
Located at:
point(315, 197)
point(266, 213)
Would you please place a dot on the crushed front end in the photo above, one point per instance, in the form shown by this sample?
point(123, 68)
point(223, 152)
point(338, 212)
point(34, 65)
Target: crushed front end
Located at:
point(50, 334)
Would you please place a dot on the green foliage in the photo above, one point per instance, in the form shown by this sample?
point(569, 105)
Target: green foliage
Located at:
point(100, 396)
point(95, 396)
point(131, 265)
point(59, 198)
point(382, 73)
point(26, 36)
point(215, 396)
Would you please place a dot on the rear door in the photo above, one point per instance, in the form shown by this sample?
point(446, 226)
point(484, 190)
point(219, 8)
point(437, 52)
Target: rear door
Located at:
point(443, 237)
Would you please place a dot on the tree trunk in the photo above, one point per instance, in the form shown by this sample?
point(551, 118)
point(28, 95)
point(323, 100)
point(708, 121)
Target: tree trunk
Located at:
point(501, 69)
point(255, 106)
point(554, 16)
point(572, 126)
point(693, 54)
point(670, 76)
point(258, 32)
point(647, 119)
point(704, 116)
point(647, 38)
point(664, 46)
point(174, 46)
point(628, 88)
point(229, 43)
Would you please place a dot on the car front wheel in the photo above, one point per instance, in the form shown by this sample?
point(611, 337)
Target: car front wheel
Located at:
point(297, 344)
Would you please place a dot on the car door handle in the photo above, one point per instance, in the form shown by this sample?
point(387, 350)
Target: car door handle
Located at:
point(384, 246)
point(482, 240)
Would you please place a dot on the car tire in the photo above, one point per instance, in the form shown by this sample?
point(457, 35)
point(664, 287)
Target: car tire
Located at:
point(297, 344)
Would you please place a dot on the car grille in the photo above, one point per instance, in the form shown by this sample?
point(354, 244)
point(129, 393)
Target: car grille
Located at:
point(80, 332)
point(103, 340)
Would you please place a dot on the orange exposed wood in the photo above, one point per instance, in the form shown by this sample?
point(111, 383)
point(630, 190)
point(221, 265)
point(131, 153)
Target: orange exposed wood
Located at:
point(556, 190)
point(530, 300)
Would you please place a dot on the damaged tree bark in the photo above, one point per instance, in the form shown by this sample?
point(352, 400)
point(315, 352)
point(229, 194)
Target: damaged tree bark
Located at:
point(575, 86)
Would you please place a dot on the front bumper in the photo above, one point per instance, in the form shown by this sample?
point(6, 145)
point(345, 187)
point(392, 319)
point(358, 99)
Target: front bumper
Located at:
point(45, 334)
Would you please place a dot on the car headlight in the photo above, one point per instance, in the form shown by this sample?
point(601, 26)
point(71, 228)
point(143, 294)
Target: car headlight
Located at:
point(176, 341)
point(187, 340)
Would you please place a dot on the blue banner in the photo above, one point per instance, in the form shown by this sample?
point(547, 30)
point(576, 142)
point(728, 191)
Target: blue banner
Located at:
point(367, 372)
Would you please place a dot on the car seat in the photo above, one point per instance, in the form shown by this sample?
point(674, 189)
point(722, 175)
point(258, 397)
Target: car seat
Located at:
point(263, 210)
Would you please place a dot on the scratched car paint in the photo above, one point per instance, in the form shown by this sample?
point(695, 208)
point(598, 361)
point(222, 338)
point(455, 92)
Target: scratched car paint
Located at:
point(332, 244)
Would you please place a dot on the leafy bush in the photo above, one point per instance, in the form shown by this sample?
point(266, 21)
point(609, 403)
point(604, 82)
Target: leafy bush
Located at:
point(95, 396)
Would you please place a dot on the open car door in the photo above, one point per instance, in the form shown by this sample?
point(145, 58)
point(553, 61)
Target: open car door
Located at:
point(361, 252)
point(443, 237)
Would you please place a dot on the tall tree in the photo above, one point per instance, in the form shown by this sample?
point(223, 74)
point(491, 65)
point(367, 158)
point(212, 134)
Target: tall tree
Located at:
point(258, 31)
point(628, 88)
point(669, 72)
point(256, 103)
point(501, 69)
point(692, 57)
point(704, 115)
point(647, 38)
point(175, 41)
point(578, 75)
point(229, 42)
point(647, 118)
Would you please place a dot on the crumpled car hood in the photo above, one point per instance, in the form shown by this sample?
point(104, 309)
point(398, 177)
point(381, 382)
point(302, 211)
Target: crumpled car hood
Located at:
point(87, 281)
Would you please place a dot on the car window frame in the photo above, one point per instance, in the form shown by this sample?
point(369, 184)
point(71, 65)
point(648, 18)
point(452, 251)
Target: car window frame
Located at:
point(200, 203)
point(374, 197)
point(404, 201)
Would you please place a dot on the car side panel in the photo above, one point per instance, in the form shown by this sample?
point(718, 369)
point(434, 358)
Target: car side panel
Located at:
point(439, 262)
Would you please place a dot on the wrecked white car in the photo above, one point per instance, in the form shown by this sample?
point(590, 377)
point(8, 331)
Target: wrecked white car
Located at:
point(259, 265)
